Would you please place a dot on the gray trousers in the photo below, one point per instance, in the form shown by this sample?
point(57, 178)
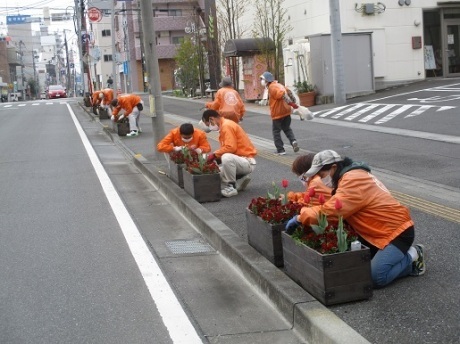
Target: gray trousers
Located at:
point(282, 124)
point(233, 165)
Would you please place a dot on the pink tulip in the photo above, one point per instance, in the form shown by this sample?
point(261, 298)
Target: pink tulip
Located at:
point(311, 192)
point(338, 204)
point(321, 199)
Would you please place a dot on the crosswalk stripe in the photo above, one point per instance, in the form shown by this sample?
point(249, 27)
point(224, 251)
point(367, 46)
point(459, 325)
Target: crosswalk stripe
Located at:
point(361, 112)
point(353, 108)
point(419, 111)
point(394, 114)
point(377, 113)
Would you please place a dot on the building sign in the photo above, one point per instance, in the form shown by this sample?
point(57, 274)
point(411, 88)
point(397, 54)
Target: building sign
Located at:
point(19, 19)
point(94, 14)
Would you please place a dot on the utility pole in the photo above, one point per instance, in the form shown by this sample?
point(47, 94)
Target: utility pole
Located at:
point(78, 9)
point(153, 70)
point(67, 62)
point(35, 73)
point(114, 66)
point(337, 53)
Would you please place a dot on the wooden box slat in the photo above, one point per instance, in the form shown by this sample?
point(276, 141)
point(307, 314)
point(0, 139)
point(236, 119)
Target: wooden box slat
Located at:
point(202, 187)
point(330, 278)
point(265, 238)
point(176, 174)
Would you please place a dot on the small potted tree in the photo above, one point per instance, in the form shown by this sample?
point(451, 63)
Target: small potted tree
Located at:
point(306, 93)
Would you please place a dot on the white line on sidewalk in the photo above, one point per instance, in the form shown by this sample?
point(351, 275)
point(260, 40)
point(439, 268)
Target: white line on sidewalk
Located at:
point(176, 321)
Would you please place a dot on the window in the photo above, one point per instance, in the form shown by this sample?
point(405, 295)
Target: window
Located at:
point(175, 13)
point(105, 33)
point(177, 40)
point(107, 58)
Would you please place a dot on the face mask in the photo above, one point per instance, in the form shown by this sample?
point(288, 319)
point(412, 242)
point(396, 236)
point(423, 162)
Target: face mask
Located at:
point(186, 140)
point(327, 181)
point(213, 127)
point(263, 82)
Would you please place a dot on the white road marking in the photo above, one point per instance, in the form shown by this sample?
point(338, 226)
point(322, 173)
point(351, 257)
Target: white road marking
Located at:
point(419, 111)
point(377, 113)
point(21, 105)
point(394, 114)
point(353, 108)
point(361, 112)
point(176, 321)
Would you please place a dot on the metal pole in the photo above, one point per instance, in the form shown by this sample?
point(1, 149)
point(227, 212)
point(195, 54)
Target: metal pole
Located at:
point(114, 66)
point(153, 70)
point(67, 61)
point(337, 54)
point(78, 9)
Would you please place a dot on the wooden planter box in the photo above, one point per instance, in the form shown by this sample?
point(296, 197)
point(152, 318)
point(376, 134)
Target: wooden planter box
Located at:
point(122, 128)
point(202, 187)
point(103, 113)
point(330, 278)
point(265, 238)
point(176, 173)
point(307, 99)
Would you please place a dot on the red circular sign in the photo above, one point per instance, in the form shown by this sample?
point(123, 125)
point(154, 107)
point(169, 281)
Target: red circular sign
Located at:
point(94, 14)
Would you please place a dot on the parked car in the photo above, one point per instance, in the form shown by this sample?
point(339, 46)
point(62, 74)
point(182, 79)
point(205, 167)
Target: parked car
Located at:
point(43, 95)
point(56, 91)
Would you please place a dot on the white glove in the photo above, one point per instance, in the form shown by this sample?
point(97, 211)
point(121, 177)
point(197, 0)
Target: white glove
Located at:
point(121, 117)
point(204, 127)
point(198, 150)
point(177, 148)
point(112, 118)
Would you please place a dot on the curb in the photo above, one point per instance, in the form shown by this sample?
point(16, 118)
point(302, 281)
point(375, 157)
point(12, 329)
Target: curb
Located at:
point(308, 317)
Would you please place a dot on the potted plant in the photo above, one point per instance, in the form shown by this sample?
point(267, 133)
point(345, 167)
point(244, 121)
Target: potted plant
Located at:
point(320, 259)
point(306, 93)
point(177, 162)
point(265, 220)
point(202, 179)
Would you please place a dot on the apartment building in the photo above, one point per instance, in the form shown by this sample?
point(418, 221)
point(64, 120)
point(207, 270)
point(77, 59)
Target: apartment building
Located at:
point(172, 20)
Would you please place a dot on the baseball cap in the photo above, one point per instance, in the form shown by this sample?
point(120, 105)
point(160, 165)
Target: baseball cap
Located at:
point(321, 159)
point(267, 76)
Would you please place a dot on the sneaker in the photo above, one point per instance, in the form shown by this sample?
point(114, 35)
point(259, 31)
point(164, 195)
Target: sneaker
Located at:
point(229, 191)
point(242, 182)
point(418, 266)
point(280, 153)
point(132, 133)
point(139, 130)
point(295, 146)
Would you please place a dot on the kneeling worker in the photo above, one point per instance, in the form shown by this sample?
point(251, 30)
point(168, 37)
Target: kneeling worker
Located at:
point(236, 153)
point(184, 136)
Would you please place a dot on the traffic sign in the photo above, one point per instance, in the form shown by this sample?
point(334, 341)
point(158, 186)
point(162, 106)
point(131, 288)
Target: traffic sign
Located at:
point(94, 14)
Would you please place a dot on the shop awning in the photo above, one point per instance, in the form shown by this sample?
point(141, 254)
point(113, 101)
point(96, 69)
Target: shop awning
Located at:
point(247, 46)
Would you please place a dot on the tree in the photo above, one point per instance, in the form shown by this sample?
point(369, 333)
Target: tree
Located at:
point(270, 21)
point(33, 87)
point(187, 64)
point(229, 14)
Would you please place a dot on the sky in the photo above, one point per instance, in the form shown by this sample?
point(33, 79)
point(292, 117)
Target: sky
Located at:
point(35, 9)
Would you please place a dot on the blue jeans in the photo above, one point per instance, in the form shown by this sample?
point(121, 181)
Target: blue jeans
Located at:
point(389, 264)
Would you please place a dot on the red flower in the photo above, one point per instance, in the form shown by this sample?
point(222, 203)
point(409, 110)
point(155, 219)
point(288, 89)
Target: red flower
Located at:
point(306, 198)
point(338, 204)
point(321, 199)
point(311, 192)
point(284, 183)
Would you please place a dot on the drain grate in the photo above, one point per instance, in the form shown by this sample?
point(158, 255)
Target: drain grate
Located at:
point(188, 246)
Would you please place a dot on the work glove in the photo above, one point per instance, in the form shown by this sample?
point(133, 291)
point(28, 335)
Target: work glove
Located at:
point(112, 118)
point(293, 105)
point(177, 148)
point(291, 225)
point(198, 150)
point(211, 157)
point(121, 117)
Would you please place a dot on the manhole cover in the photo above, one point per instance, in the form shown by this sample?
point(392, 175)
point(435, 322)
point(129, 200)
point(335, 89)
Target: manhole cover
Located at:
point(188, 246)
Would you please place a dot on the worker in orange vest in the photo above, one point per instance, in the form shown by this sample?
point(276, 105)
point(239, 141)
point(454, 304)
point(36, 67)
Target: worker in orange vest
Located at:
point(228, 101)
point(132, 105)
